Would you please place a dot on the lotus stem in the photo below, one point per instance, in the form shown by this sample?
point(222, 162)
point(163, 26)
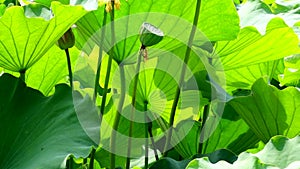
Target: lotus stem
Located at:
point(133, 102)
point(117, 118)
point(92, 157)
point(205, 115)
point(152, 139)
point(182, 75)
point(105, 89)
point(99, 63)
point(69, 67)
point(96, 87)
point(122, 96)
point(146, 135)
point(70, 162)
point(22, 75)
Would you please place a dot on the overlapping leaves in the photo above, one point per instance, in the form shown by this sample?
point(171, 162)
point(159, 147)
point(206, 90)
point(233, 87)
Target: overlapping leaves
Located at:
point(269, 111)
point(279, 152)
point(253, 55)
point(168, 16)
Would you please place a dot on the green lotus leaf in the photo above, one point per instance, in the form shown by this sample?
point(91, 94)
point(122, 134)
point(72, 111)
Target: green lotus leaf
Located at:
point(87, 4)
point(23, 40)
point(169, 163)
point(259, 13)
point(291, 74)
point(253, 55)
point(38, 131)
point(2, 9)
point(214, 157)
point(279, 152)
point(46, 3)
point(218, 21)
point(230, 132)
point(269, 111)
point(50, 70)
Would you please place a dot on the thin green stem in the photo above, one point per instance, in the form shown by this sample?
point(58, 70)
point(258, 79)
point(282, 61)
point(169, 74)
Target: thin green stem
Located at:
point(152, 139)
point(100, 58)
point(133, 102)
point(69, 67)
point(70, 162)
point(122, 96)
point(117, 118)
point(106, 85)
point(111, 53)
point(205, 115)
point(92, 157)
point(182, 75)
point(96, 87)
point(146, 135)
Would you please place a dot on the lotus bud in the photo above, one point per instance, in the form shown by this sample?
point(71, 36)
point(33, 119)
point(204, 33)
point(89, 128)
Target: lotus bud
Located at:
point(67, 40)
point(109, 6)
point(150, 35)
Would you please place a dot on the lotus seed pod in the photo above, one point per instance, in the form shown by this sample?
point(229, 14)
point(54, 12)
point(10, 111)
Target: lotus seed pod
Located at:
point(150, 35)
point(67, 40)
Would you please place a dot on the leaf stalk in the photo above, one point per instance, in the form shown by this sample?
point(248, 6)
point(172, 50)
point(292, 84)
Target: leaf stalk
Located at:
point(117, 118)
point(69, 67)
point(133, 102)
point(146, 135)
point(182, 75)
point(96, 88)
point(205, 115)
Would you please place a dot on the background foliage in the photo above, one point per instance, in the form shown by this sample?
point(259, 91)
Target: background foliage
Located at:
point(251, 45)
